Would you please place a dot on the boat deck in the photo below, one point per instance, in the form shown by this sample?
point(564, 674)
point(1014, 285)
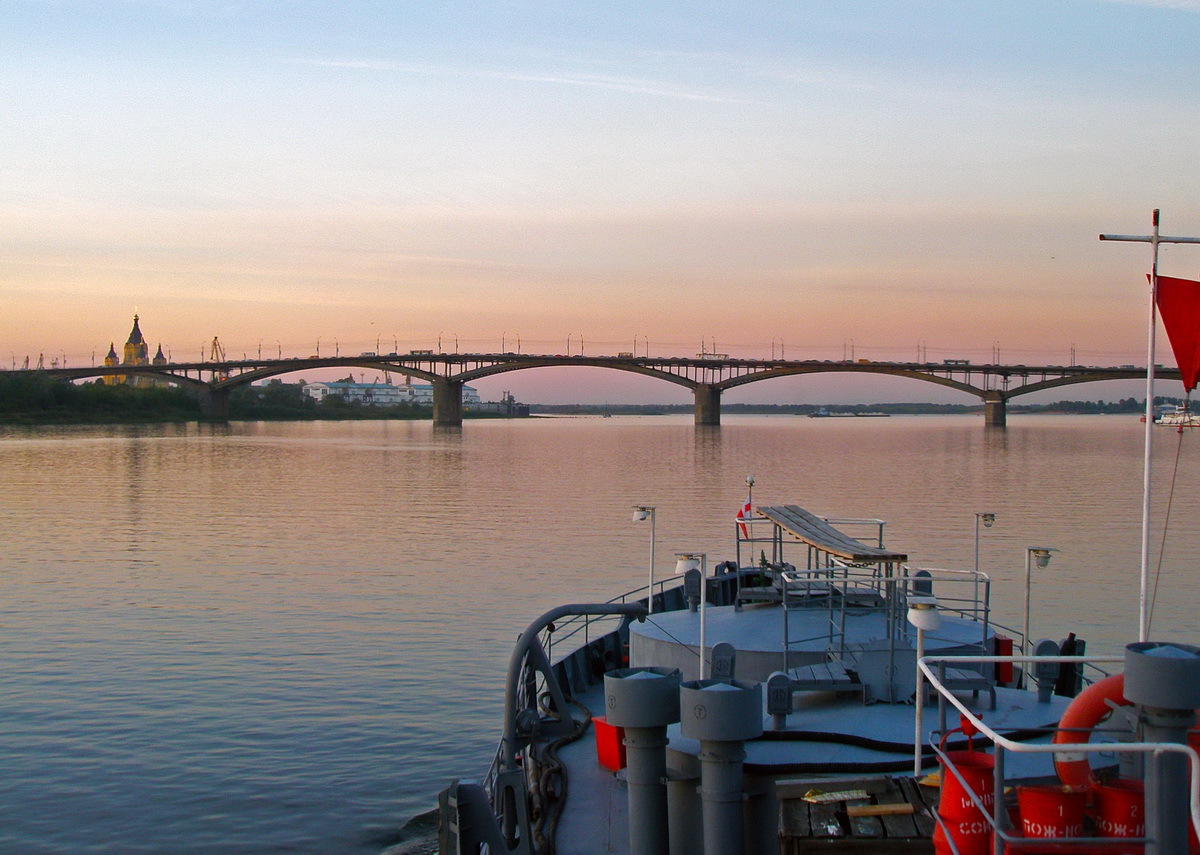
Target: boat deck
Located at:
point(833, 738)
point(672, 639)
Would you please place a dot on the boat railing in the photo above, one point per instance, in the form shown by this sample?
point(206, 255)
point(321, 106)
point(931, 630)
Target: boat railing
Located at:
point(577, 634)
point(932, 670)
point(844, 589)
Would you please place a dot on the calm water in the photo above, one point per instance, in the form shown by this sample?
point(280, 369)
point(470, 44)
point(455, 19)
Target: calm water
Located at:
point(286, 637)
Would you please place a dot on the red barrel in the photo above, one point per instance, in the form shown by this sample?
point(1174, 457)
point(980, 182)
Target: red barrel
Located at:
point(976, 769)
point(966, 826)
point(1051, 811)
point(1120, 808)
point(970, 836)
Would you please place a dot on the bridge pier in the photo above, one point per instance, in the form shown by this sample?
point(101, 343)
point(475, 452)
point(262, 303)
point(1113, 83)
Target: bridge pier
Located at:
point(995, 410)
point(447, 402)
point(214, 403)
point(708, 405)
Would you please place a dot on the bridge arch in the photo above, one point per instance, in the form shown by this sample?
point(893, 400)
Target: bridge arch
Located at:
point(707, 376)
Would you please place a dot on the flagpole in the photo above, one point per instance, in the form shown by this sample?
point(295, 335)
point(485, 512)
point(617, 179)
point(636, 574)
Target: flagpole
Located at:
point(1148, 444)
point(1154, 239)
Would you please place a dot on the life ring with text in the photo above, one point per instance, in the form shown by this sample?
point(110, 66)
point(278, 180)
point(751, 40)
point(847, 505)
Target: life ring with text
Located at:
point(1087, 710)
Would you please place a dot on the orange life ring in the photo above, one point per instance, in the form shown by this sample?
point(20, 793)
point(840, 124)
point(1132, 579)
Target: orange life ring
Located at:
point(1088, 709)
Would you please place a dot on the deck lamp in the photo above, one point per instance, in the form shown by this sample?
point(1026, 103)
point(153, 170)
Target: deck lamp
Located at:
point(924, 615)
point(641, 513)
point(686, 562)
point(1039, 555)
point(987, 520)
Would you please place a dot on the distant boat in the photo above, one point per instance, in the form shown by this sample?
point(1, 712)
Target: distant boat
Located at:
point(1180, 416)
point(825, 414)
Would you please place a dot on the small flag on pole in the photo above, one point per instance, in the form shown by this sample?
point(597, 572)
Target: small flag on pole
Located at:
point(1179, 306)
point(744, 514)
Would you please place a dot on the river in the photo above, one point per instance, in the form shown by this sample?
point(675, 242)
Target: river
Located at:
point(284, 638)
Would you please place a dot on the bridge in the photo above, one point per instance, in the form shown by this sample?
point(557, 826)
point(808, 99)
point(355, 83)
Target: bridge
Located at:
point(707, 376)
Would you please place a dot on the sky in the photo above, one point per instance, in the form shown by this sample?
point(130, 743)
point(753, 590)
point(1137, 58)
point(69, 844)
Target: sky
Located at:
point(888, 179)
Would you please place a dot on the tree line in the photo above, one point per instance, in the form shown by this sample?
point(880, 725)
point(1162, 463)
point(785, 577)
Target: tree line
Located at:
point(38, 399)
point(30, 397)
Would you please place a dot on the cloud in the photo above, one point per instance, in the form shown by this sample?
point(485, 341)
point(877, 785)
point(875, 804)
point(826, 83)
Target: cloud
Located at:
point(637, 86)
point(1177, 5)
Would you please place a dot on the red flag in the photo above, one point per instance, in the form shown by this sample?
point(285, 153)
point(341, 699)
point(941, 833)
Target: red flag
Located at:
point(744, 514)
point(1179, 305)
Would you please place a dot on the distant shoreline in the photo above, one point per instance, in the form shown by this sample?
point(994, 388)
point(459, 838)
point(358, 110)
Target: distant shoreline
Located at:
point(26, 400)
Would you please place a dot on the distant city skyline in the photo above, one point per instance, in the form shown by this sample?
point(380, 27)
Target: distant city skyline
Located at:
point(893, 177)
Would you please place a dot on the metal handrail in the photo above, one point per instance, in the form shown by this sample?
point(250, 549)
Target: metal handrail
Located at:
point(1006, 744)
point(836, 574)
point(564, 631)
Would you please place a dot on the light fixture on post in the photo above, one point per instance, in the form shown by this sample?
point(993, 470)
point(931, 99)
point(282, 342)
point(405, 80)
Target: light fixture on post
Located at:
point(1039, 555)
point(640, 514)
point(987, 520)
point(923, 614)
point(686, 562)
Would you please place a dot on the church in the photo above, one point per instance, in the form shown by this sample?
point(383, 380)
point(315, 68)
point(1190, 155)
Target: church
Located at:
point(135, 353)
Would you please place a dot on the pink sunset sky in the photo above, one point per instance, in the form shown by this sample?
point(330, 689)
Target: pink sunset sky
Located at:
point(886, 178)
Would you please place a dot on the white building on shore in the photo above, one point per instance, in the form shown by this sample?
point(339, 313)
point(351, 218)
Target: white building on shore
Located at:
point(383, 394)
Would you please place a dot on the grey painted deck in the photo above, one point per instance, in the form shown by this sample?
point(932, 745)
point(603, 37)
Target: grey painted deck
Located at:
point(756, 632)
point(595, 820)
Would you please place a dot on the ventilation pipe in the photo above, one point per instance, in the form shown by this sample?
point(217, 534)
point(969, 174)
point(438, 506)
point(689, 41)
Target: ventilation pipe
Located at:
point(722, 715)
point(644, 701)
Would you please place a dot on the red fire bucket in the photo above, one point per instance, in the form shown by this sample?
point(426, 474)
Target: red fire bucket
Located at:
point(976, 769)
point(970, 836)
point(1051, 811)
point(1120, 808)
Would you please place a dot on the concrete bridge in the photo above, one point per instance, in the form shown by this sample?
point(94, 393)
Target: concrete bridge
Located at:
point(706, 376)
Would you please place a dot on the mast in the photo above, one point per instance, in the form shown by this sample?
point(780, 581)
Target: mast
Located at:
point(1154, 239)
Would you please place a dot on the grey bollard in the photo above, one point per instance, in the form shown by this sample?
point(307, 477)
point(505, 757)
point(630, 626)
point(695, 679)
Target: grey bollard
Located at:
point(644, 701)
point(693, 584)
point(724, 661)
point(722, 716)
point(779, 699)
point(1045, 673)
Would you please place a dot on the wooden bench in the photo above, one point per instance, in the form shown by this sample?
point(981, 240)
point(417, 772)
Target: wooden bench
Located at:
point(823, 677)
point(964, 679)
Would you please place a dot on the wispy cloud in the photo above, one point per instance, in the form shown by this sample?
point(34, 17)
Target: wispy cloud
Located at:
point(1180, 5)
point(637, 86)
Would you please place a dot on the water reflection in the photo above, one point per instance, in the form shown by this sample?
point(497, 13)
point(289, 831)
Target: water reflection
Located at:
point(260, 619)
